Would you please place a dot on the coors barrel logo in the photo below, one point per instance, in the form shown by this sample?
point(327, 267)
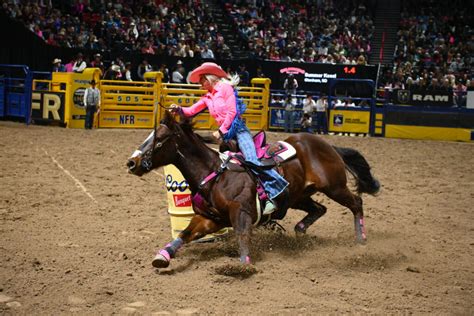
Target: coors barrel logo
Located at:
point(182, 200)
point(173, 185)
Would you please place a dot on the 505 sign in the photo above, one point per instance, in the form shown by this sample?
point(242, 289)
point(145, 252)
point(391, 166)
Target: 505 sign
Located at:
point(47, 106)
point(128, 98)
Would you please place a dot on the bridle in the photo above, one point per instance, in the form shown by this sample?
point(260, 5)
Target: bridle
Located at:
point(147, 162)
point(148, 155)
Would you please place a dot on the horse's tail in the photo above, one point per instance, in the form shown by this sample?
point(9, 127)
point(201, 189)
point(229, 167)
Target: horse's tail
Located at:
point(360, 169)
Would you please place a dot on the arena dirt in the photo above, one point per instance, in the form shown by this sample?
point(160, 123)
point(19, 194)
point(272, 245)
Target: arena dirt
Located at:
point(64, 251)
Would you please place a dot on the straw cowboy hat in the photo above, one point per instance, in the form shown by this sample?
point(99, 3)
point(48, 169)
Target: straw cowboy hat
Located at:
point(56, 60)
point(207, 69)
point(115, 68)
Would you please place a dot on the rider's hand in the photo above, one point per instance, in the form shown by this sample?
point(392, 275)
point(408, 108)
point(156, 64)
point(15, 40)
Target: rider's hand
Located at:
point(217, 135)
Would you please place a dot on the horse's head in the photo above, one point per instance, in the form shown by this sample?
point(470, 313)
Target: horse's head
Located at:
point(159, 148)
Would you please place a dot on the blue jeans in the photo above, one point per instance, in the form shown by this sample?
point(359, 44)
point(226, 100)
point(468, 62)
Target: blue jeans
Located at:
point(289, 121)
point(273, 183)
point(321, 123)
point(90, 111)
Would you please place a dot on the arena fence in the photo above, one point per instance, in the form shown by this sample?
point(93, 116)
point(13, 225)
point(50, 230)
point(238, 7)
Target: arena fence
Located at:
point(256, 97)
point(129, 104)
point(133, 104)
point(455, 124)
point(15, 92)
point(57, 98)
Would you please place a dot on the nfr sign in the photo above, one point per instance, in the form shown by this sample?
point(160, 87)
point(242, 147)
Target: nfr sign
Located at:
point(127, 119)
point(47, 106)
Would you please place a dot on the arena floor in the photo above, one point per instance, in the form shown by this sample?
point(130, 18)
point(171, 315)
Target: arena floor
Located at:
point(78, 234)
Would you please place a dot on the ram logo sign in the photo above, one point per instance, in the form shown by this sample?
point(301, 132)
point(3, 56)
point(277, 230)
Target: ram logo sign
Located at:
point(429, 97)
point(423, 97)
point(403, 96)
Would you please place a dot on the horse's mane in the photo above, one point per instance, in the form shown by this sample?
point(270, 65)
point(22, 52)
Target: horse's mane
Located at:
point(187, 126)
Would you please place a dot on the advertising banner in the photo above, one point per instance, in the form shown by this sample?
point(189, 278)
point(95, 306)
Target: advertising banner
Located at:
point(423, 97)
point(349, 121)
point(277, 118)
point(124, 119)
point(47, 106)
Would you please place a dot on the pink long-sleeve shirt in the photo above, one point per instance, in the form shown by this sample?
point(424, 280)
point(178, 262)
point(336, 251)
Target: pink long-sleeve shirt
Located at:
point(221, 104)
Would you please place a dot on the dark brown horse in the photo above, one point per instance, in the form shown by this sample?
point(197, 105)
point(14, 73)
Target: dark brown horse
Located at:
point(230, 199)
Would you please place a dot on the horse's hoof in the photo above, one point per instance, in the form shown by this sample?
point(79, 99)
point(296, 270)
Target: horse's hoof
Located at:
point(300, 229)
point(160, 261)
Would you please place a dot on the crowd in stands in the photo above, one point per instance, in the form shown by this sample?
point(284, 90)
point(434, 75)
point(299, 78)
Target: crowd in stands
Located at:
point(182, 28)
point(326, 31)
point(435, 48)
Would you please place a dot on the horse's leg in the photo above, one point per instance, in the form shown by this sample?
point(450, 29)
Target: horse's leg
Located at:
point(197, 228)
point(242, 224)
point(354, 202)
point(315, 211)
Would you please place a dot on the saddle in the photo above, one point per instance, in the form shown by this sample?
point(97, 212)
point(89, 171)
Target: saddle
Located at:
point(269, 155)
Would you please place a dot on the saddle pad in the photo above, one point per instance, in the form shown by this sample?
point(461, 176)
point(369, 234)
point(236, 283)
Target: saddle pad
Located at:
point(287, 152)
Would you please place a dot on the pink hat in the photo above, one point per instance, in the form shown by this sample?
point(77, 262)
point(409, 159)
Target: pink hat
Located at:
point(207, 69)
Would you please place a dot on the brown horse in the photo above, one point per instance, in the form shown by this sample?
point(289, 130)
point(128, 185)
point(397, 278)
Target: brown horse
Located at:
point(230, 199)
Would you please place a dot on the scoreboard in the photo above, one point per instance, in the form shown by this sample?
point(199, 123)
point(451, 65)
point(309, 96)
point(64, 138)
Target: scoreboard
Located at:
point(315, 76)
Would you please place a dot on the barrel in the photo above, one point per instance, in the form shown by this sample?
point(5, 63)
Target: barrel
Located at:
point(180, 208)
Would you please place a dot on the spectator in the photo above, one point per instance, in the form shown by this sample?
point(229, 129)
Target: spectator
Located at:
point(113, 73)
point(97, 62)
point(244, 76)
point(148, 48)
point(206, 53)
point(434, 85)
point(290, 85)
point(309, 105)
point(57, 66)
point(349, 103)
point(306, 122)
point(260, 73)
point(460, 94)
point(166, 74)
point(289, 114)
point(339, 104)
point(143, 68)
point(127, 74)
point(91, 103)
point(69, 66)
point(178, 74)
point(321, 115)
point(79, 65)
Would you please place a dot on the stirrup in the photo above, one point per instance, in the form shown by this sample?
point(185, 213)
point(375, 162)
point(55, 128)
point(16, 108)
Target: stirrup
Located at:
point(269, 208)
